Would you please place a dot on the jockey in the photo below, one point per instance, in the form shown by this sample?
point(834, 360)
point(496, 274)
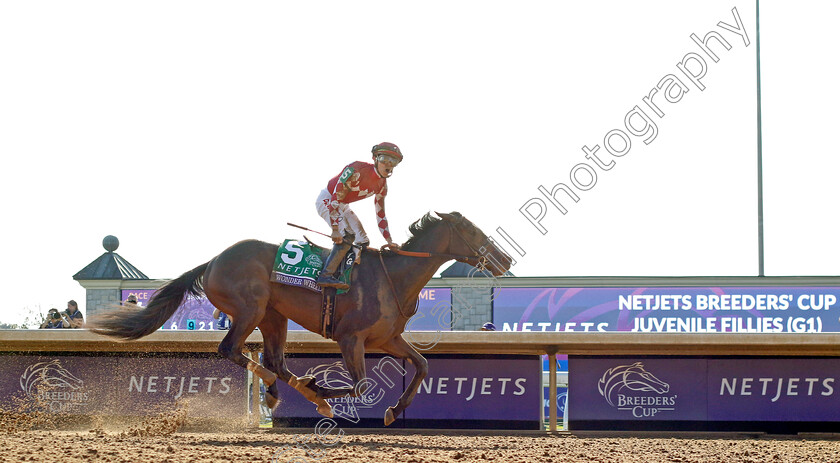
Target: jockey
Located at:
point(357, 181)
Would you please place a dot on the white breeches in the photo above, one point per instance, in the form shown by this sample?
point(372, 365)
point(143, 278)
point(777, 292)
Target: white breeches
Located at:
point(347, 219)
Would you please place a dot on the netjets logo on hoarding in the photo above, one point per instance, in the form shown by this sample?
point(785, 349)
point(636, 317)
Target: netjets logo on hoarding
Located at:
point(634, 389)
point(51, 384)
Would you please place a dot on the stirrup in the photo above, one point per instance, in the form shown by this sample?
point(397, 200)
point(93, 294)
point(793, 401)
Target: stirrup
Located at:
point(332, 282)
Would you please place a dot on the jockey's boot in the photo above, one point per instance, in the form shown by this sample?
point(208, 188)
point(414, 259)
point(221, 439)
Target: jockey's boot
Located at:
point(327, 277)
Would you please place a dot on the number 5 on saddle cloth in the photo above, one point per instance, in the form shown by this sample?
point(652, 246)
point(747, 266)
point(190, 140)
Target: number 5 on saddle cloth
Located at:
point(298, 263)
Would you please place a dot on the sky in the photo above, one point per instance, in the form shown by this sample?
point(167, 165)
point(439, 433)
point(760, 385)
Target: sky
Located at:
point(182, 127)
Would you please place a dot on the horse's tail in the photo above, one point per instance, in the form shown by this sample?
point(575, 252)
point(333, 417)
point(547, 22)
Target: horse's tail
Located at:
point(132, 323)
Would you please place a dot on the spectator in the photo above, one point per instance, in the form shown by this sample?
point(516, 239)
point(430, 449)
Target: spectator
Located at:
point(488, 327)
point(53, 320)
point(72, 317)
point(224, 322)
point(132, 299)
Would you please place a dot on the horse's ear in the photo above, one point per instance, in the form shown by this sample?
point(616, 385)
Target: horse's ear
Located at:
point(454, 217)
point(445, 216)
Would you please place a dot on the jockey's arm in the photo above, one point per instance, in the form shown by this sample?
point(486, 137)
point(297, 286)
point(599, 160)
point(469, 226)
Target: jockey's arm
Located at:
point(381, 220)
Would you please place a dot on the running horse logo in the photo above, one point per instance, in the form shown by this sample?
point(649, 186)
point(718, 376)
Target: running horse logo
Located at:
point(334, 375)
point(314, 261)
point(633, 377)
point(331, 375)
point(48, 375)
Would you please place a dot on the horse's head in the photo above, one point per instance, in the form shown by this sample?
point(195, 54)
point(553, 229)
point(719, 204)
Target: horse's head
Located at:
point(49, 375)
point(636, 378)
point(468, 240)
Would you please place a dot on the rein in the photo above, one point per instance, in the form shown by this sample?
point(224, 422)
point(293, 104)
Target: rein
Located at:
point(393, 289)
point(457, 257)
point(482, 262)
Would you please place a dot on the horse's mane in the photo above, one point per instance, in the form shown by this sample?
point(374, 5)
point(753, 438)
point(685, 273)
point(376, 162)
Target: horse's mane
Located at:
point(419, 228)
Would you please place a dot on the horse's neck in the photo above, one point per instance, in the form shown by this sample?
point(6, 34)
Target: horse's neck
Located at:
point(410, 274)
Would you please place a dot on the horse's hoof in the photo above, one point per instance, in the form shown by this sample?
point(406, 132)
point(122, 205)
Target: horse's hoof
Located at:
point(325, 409)
point(270, 401)
point(389, 416)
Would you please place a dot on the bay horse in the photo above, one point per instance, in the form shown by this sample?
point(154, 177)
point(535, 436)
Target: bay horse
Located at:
point(371, 315)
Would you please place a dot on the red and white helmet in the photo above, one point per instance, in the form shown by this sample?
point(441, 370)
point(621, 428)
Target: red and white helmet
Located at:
point(387, 149)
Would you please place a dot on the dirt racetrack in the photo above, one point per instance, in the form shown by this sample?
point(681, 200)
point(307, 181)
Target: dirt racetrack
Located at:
point(409, 446)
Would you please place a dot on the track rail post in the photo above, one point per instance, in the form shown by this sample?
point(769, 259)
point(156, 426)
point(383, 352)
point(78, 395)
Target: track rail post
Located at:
point(552, 390)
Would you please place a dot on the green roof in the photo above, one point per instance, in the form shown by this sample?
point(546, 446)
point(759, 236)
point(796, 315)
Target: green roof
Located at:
point(110, 266)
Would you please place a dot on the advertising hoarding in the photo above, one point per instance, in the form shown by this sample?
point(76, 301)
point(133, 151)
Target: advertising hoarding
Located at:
point(704, 393)
point(384, 390)
point(208, 387)
point(500, 391)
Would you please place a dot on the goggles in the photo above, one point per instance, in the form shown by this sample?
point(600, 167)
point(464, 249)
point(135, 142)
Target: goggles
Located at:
point(388, 159)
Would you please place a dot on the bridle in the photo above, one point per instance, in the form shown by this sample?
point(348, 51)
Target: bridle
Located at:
point(480, 259)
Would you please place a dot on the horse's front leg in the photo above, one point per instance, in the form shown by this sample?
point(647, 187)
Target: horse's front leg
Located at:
point(353, 352)
point(400, 348)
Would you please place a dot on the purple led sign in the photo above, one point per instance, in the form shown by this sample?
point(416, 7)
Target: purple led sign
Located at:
point(664, 309)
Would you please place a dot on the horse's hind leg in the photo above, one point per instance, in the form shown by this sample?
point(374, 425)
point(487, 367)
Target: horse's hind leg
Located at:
point(354, 359)
point(233, 343)
point(274, 328)
point(400, 348)
point(353, 353)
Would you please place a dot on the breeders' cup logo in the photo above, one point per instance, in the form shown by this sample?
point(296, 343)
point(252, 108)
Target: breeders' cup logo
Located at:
point(634, 389)
point(314, 261)
point(333, 375)
point(51, 384)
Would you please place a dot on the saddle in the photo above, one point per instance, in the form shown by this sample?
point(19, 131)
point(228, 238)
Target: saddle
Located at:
point(298, 263)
